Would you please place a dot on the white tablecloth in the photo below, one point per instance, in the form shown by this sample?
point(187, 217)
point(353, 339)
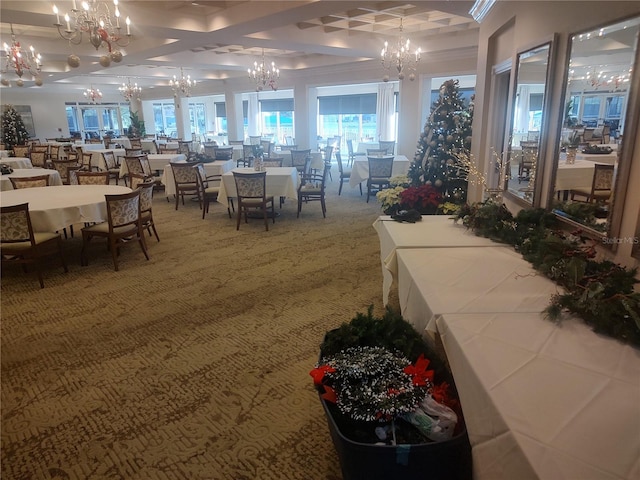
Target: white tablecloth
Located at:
point(576, 175)
point(55, 208)
point(4, 153)
point(88, 147)
point(364, 146)
point(317, 162)
point(54, 176)
point(435, 281)
point(360, 169)
point(543, 401)
point(213, 168)
point(17, 162)
point(280, 182)
point(609, 158)
point(433, 231)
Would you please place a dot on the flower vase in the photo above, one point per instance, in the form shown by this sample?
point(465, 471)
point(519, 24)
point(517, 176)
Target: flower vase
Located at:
point(571, 155)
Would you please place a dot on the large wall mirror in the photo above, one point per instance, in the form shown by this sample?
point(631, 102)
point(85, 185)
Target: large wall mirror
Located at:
point(527, 121)
point(596, 111)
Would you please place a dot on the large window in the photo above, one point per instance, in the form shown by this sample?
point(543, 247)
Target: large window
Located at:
point(276, 119)
point(164, 117)
point(95, 121)
point(221, 118)
point(198, 118)
point(352, 117)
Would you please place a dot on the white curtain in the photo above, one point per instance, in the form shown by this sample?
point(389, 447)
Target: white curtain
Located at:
point(253, 115)
point(385, 112)
point(522, 116)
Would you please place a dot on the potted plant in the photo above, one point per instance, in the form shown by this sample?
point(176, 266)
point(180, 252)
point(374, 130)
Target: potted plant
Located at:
point(390, 403)
point(572, 146)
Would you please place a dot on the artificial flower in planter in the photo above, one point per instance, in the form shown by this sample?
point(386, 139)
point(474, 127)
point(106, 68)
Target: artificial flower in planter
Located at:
point(390, 402)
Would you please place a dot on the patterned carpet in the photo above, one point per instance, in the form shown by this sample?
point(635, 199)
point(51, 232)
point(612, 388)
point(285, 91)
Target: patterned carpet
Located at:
point(193, 365)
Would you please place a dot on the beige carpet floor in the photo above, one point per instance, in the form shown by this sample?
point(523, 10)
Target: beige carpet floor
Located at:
point(194, 364)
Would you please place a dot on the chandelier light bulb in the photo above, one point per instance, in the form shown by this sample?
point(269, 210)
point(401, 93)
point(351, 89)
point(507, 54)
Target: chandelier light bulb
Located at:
point(182, 85)
point(129, 91)
point(21, 61)
point(400, 58)
point(95, 19)
point(263, 76)
point(93, 94)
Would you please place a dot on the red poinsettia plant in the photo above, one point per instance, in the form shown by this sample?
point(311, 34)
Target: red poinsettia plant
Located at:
point(374, 383)
point(423, 198)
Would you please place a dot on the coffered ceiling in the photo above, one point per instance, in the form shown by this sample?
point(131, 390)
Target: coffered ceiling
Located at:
point(219, 40)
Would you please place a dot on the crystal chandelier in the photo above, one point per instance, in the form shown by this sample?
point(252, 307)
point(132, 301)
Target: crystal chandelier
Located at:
point(182, 85)
point(263, 76)
point(130, 91)
point(94, 19)
point(93, 94)
point(400, 58)
point(21, 61)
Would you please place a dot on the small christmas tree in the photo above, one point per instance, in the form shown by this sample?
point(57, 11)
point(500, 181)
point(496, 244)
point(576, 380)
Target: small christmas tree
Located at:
point(446, 134)
point(14, 131)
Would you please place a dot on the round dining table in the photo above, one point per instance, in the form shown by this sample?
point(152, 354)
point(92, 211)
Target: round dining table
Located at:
point(54, 176)
point(17, 162)
point(54, 208)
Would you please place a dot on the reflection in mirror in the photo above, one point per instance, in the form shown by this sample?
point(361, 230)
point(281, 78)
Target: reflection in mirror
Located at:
point(596, 103)
point(527, 121)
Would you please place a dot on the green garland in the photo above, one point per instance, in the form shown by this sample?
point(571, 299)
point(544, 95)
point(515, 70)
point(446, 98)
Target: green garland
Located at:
point(600, 292)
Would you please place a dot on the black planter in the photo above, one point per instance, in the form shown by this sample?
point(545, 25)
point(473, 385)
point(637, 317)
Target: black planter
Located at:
point(447, 460)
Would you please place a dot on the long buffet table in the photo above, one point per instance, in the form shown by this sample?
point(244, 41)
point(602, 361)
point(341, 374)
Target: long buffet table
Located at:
point(541, 401)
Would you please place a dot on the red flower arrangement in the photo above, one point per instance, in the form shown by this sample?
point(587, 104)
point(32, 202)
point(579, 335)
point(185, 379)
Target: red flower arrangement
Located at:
point(424, 198)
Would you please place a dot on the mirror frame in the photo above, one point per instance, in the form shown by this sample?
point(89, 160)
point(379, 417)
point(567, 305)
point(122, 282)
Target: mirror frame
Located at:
point(552, 42)
point(629, 144)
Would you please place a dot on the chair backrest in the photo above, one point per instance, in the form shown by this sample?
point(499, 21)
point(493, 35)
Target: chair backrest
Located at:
point(62, 166)
point(21, 150)
point(137, 179)
point(236, 142)
point(255, 139)
point(72, 174)
point(86, 160)
point(247, 151)
point(30, 182)
point(54, 152)
point(136, 143)
point(210, 150)
point(299, 158)
point(602, 178)
point(146, 196)
point(123, 209)
point(266, 147)
point(372, 152)
point(39, 159)
point(134, 165)
point(388, 146)
point(380, 167)
point(339, 160)
point(185, 147)
point(132, 152)
point(92, 178)
point(223, 153)
point(272, 162)
point(110, 160)
point(165, 149)
point(251, 184)
point(15, 224)
point(288, 140)
point(184, 173)
point(36, 147)
point(350, 147)
point(327, 153)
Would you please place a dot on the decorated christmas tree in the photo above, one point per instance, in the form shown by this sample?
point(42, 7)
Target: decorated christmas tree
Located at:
point(446, 134)
point(14, 131)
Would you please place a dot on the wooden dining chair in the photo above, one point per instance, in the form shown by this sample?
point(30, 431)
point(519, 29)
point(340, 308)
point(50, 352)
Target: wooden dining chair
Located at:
point(601, 185)
point(111, 164)
point(92, 178)
point(252, 196)
point(223, 153)
point(388, 146)
point(209, 187)
point(21, 150)
point(29, 182)
point(186, 182)
point(146, 202)
point(345, 173)
point(300, 159)
point(39, 158)
point(123, 225)
point(62, 167)
point(19, 244)
point(380, 170)
point(312, 188)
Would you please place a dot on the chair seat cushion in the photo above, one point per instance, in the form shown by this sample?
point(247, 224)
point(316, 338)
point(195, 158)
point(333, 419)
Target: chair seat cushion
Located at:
point(104, 228)
point(39, 238)
point(212, 190)
point(306, 189)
